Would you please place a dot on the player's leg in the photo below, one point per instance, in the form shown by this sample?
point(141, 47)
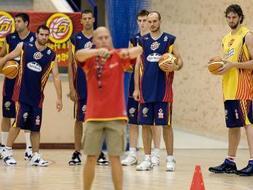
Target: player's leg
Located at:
point(78, 132)
point(156, 137)
point(234, 120)
point(28, 150)
point(8, 111)
point(115, 136)
point(248, 170)
point(132, 108)
point(146, 115)
point(34, 125)
point(93, 137)
point(20, 122)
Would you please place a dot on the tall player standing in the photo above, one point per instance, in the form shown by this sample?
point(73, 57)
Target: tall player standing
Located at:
point(22, 34)
point(156, 95)
point(77, 84)
point(133, 105)
point(237, 85)
point(37, 62)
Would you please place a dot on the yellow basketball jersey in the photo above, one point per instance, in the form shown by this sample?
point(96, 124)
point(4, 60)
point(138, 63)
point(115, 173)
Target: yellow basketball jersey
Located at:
point(237, 83)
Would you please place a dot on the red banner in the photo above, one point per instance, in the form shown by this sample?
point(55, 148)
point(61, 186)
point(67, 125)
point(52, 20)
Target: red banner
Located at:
point(62, 26)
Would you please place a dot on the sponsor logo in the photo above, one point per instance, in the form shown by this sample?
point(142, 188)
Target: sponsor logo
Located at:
point(37, 55)
point(49, 52)
point(236, 114)
point(88, 45)
point(6, 24)
point(31, 39)
point(34, 66)
point(153, 57)
point(230, 53)
point(84, 108)
point(7, 105)
point(145, 111)
point(165, 39)
point(160, 114)
point(79, 37)
point(61, 27)
point(154, 46)
point(132, 111)
point(37, 121)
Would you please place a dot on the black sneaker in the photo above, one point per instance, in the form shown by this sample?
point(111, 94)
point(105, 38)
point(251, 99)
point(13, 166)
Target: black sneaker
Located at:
point(102, 161)
point(76, 159)
point(247, 171)
point(227, 166)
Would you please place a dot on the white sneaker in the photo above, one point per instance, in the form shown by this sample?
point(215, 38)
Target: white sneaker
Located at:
point(130, 160)
point(155, 159)
point(38, 161)
point(28, 153)
point(1, 151)
point(145, 165)
point(8, 157)
point(170, 164)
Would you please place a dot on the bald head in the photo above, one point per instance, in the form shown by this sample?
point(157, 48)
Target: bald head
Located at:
point(154, 21)
point(102, 38)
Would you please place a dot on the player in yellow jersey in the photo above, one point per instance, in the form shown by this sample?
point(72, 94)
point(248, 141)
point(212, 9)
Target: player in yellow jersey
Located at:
point(237, 83)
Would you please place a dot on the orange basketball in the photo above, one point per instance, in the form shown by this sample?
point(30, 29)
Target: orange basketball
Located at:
point(215, 64)
point(10, 69)
point(166, 58)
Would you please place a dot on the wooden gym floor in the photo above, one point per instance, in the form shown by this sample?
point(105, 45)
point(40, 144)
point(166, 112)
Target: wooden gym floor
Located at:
point(60, 176)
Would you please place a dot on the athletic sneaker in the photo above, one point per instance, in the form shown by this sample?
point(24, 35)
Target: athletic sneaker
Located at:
point(130, 160)
point(227, 166)
point(38, 161)
point(1, 150)
point(8, 157)
point(28, 153)
point(247, 171)
point(170, 164)
point(145, 165)
point(102, 161)
point(155, 158)
point(76, 159)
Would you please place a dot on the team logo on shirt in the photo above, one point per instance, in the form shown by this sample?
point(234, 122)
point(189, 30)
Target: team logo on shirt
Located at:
point(6, 24)
point(7, 105)
point(37, 121)
point(154, 46)
point(49, 52)
point(25, 116)
point(145, 111)
point(34, 66)
point(160, 114)
point(31, 39)
point(37, 55)
point(153, 57)
point(132, 111)
point(165, 39)
point(230, 43)
point(88, 45)
point(61, 27)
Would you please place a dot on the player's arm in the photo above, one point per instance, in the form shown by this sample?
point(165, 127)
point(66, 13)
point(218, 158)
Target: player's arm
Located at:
point(72, 91)
point(58, 86)
point(130, 53)
point(136, 93)
point(179, 61)
point(3, 50)
point(13, 54)
point(84, 54)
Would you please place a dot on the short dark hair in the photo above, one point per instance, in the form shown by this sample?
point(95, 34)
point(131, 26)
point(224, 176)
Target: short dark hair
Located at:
point(87, 11)
point(24, 17)
point(43, 27)
point(143, 12)
point(156, 12)
point(235, 8)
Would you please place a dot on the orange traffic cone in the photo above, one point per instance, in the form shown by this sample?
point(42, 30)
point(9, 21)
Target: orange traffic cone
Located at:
point(197, 180)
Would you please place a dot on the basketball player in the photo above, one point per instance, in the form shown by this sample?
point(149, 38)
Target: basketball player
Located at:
point(237, 74)
point(133, 105)
point(106, 115)
point(22, 34)
point(156, 94)
point(37, 61)
point(77, 84)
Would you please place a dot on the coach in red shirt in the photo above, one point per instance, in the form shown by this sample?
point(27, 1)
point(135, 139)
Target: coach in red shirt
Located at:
point(105, 115)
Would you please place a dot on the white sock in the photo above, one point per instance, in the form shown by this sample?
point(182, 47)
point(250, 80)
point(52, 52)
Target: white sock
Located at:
point(132, 149)
point(231, 158)
point(147, 157)
point(156, 150)
point(170, 157)
point(28, 140)
point(4, 136)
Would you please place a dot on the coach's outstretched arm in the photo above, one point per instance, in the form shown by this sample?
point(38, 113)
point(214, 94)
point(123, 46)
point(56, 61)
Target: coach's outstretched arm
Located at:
point(58, 87)
point(84, 54)
point(130, 53)
point(15, 53)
